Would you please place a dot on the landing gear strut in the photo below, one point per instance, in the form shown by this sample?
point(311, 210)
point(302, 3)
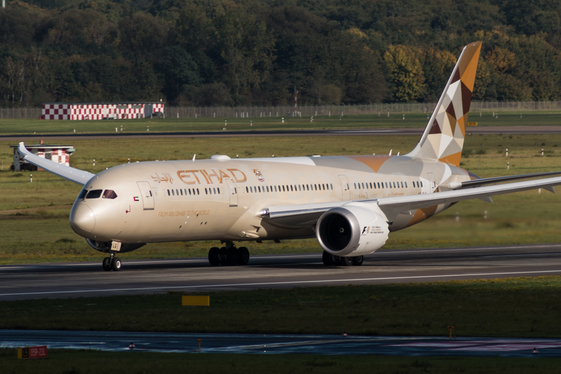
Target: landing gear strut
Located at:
point(332, 260)
point(228, 255)
point(112, 263)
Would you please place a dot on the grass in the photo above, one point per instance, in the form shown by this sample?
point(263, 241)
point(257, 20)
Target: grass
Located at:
point(519, 307)
point(77, 362)
point(33, 126)
point(34, 216)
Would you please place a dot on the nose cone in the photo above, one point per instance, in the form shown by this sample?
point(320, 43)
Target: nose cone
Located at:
point(82, 219)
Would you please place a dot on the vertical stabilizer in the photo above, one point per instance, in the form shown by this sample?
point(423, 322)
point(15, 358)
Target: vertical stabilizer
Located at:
point(443, 138)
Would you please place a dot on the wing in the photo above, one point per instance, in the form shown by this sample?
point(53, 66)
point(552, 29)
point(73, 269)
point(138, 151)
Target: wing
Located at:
point(307, 214)
point(75, 175)
point(481, 182)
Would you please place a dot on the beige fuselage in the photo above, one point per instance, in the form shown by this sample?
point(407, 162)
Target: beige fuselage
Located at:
point(222, 198)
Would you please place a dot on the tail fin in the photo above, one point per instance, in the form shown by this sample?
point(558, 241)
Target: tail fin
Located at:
point(443, 138)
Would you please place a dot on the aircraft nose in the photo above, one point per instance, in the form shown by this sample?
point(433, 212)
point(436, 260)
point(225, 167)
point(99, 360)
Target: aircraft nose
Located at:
point(82, 219)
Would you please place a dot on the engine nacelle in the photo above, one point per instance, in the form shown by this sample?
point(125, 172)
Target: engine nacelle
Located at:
point(355, 229)
point(106, 246)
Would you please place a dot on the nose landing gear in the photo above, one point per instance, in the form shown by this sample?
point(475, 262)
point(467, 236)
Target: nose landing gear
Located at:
point(112, 263)
point(228, 255)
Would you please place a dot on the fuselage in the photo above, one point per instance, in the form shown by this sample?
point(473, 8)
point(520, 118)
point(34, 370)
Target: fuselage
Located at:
point(221, 198)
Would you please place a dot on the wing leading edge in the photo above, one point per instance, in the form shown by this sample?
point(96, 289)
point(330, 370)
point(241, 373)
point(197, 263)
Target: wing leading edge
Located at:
point(72, 174)
point(391, 206)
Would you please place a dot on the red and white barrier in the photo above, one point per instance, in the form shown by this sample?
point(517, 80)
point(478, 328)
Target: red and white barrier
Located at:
point(97, 111)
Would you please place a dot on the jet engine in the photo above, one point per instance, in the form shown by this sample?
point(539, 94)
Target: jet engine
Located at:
point(106, 246)
point(354, 229)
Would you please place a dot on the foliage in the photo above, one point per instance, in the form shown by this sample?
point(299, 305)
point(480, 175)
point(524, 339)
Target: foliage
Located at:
point(250, 52)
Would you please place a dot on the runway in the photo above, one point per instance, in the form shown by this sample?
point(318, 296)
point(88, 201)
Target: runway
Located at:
point(282, 271)
point(507, 130)
point(281, 343)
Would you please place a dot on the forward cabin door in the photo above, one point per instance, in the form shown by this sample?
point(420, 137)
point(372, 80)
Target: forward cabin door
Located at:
point(345, 188)
point(146, 195)
point(232, 192)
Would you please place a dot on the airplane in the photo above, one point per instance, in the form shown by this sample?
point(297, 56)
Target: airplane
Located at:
point(349, 203)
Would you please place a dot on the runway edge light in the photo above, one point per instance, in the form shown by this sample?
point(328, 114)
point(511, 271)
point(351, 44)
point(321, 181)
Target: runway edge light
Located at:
point(33, 352)
point(195, 300)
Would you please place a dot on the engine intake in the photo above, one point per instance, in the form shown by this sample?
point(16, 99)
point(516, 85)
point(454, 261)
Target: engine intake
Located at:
point(354, 229)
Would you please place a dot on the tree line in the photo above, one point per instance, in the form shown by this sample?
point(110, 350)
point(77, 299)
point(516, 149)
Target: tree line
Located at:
point(259, 52)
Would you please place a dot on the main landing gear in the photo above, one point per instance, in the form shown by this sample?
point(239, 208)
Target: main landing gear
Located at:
point(228, 255)
point(332, 260)
point(112, 263)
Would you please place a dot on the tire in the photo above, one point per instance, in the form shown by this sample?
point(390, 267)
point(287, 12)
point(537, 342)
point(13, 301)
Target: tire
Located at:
point(222, 255)
point(243, 256)
point(214, 256)
point(345, 261)
point(328, 259)
point(116, 264)
point(106, 264)
point(232, 256)
point(358, 260)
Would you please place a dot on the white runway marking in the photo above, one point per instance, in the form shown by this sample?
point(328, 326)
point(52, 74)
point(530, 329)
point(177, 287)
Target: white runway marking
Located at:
point(282, 283)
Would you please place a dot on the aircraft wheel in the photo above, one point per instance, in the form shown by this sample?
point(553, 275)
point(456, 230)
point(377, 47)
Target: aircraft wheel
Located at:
point(243, 256)
point(232, 256)
point(214, 256)
point(222, 255)
point(358, 260)
point(328, 259)
point(345, 261)
point(116, 264)
point(106, 264)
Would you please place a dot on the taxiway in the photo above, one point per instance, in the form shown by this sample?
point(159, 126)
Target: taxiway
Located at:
point(64, 280)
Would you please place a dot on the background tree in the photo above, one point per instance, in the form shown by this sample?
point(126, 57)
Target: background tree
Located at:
point(406, 73)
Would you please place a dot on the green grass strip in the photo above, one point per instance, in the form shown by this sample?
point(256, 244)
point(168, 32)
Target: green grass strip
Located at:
point(519, 307)
point(78, 362)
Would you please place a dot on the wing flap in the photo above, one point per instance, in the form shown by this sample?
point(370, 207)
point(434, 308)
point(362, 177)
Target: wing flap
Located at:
point(72, 174)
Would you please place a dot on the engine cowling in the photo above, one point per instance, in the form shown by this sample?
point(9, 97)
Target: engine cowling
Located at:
point(355, 229)
point(106, 246)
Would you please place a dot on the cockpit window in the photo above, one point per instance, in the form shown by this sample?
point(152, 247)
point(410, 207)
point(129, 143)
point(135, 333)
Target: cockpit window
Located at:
point(109, 194)
point(93, 194)
point(82, 193)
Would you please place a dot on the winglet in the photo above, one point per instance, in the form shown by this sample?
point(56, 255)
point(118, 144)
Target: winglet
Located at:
point(75, 175)
point(443, 138)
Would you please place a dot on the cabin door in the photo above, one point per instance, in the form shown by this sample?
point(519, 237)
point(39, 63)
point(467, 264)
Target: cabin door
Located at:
point(146, 195)
point(432, 182)
point(232, 192)
point(345, 188)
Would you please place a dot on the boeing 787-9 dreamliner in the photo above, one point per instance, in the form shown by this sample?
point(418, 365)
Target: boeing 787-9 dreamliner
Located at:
point(349, 203)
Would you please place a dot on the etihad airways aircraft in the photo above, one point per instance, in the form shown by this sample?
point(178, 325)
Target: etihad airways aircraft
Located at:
point(349, 203)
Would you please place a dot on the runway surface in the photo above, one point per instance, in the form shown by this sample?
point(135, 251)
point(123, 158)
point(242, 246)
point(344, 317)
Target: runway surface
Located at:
point(282, 344)
point(511, 130)
point(281, 271)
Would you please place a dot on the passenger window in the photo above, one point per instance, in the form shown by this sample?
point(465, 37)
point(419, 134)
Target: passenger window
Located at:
point(109, 194)
point(93, 194)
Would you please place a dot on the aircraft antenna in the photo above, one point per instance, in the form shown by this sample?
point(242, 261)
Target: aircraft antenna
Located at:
point(194, 156)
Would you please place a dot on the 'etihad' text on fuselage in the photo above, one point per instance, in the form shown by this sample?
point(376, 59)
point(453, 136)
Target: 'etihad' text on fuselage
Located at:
point(195, 176)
